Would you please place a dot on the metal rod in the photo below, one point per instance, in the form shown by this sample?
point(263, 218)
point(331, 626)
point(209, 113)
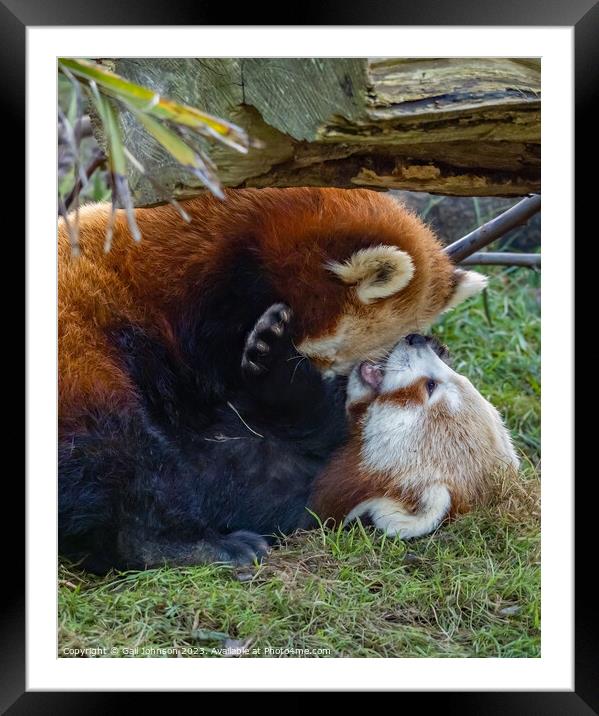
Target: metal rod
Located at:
point(490, 258)
point(500, 225)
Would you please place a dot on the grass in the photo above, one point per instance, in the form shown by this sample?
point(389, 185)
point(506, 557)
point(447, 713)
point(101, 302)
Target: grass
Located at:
point(470, 590)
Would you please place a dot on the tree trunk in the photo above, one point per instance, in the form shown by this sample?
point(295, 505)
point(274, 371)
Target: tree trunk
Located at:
point(445, 126)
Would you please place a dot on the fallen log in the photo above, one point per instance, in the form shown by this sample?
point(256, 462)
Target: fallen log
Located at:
point(455, 126)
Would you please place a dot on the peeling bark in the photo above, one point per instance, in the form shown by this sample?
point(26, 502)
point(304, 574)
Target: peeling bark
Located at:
point(446, 126)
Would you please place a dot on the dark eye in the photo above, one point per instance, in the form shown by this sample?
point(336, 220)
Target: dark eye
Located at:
point(430, 386)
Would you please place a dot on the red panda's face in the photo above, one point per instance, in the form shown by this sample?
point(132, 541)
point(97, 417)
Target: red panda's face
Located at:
point(425, 445)
point(425, 423)
point(380, 297)
point(358, 270)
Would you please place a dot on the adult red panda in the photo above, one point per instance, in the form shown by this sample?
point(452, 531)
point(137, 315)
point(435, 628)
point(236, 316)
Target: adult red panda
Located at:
point(425, 444)
point(152, 337)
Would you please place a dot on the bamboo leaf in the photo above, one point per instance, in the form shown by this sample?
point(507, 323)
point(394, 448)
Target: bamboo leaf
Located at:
point(117, 162)
point(181, 151)
point(113, 134)
point(103, 108)
point(151, 103)
point(174, 145)
point(158, 186)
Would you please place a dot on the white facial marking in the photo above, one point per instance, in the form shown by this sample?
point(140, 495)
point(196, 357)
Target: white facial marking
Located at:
point(354, 338)
point(391, 431)
point(407, 364)
point(394, 519)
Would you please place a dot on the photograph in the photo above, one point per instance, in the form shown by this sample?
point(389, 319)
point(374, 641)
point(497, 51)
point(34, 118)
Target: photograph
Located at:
point(299, 354)
point(299, 357)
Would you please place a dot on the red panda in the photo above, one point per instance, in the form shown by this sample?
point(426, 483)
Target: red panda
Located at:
point(425, 445)
point(358, 270)
point(151, 341)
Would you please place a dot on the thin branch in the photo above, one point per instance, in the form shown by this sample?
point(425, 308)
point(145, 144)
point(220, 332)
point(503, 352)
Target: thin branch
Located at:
point(82, 127)
point(72, 228)
point(489, 258)
point(98, 160)
point(500, 225)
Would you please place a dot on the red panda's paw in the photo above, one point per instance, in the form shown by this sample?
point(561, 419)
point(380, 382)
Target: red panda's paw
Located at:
point(270, 333)
point(240, 548)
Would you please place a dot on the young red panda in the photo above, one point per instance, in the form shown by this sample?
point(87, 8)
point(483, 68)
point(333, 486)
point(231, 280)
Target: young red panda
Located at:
point(172, 446)
point(425, 444)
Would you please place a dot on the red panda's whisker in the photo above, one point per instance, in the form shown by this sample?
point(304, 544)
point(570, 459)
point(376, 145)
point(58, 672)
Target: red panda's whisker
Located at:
point(296, 367)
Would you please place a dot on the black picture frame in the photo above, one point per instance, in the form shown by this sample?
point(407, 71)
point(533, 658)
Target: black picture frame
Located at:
point(583, 15)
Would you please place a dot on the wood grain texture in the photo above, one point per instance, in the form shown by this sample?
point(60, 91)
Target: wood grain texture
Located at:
point(456, 126)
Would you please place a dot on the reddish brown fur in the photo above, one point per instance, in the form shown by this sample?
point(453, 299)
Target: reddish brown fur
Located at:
point(414, 394)
point(357, 410)
point(147, 283)
point(345, 483)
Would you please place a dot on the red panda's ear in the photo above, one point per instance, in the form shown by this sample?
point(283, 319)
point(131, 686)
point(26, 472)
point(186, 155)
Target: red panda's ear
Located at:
point(376, 272)
point(467, 283)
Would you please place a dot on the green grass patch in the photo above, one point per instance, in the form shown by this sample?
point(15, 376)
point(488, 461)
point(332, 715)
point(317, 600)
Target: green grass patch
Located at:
point(470, 590)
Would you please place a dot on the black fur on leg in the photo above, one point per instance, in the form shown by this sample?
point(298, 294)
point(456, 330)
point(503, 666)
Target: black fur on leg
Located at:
point(181, 480)
point(219, 312)
point(167, 386)
point(128, 499)
point(240, 548)
point(280, 379)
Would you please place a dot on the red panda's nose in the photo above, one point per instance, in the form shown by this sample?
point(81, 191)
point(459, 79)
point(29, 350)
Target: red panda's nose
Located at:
point(415, 339)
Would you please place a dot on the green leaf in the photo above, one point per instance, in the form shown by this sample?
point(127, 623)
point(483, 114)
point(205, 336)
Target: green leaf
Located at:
point(117, 163)
point(151, 103)
point(182, 152)
point(174, 145)
point(116, 153)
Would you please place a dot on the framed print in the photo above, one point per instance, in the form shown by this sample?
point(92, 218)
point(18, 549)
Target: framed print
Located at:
point(448, 600)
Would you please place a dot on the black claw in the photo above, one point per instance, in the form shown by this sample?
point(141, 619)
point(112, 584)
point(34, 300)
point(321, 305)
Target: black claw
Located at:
point(266, 339)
